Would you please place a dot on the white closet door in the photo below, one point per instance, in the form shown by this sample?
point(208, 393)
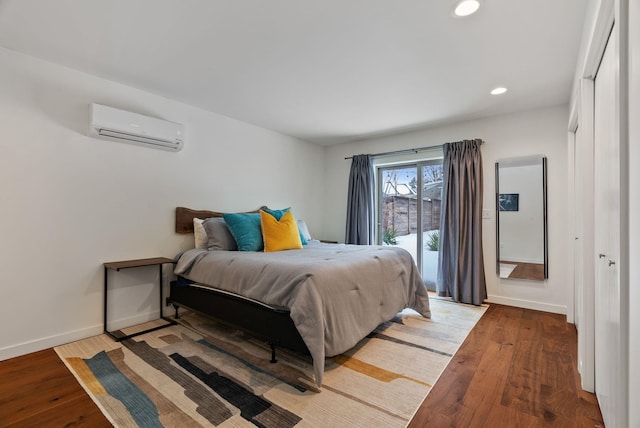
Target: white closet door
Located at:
point(608, 370)
point(582, 324)
point(578, 264)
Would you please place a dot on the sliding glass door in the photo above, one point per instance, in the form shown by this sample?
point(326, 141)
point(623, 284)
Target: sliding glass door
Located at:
point(409, 197)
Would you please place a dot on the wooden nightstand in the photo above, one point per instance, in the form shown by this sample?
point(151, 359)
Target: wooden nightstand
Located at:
point(126, 264)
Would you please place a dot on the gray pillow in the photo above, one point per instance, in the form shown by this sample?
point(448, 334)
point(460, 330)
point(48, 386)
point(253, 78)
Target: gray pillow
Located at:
point(304, 230)
point(220, 237)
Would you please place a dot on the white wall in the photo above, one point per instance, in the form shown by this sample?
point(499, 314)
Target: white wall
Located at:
point(541, 131)
point(70, 202)
point(634, 213)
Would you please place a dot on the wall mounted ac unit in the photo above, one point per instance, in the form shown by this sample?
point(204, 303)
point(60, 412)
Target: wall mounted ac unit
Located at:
point(111, 124)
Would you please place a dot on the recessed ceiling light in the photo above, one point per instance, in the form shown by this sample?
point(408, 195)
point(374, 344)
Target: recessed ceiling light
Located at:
point(499, 90)
point(466, 7)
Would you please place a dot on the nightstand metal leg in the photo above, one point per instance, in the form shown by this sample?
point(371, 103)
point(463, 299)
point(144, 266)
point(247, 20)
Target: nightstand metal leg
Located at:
point(106, 272)
point(160, 281)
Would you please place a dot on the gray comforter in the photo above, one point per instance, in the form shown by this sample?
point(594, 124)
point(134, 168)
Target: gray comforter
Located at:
point(337, 294)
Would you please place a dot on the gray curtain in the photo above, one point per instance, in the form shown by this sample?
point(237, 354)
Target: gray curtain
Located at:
point(461, 262)
point(360, 202)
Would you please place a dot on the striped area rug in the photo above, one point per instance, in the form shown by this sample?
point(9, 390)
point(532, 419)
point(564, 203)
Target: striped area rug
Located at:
point(200, 373)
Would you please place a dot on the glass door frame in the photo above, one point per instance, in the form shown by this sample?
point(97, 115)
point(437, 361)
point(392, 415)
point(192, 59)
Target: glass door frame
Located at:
point(418, 166)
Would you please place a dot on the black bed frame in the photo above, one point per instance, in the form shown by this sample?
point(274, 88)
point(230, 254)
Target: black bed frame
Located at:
point(270, 323)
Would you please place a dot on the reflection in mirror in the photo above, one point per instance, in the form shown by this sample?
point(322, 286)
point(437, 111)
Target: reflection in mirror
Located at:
point(521, 218)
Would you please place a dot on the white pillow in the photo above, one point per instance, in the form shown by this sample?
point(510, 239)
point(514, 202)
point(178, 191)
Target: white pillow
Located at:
point(200, 235)
point(304, 230)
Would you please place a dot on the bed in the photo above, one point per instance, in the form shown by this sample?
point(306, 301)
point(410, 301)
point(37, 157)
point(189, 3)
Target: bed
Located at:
point(321, 299)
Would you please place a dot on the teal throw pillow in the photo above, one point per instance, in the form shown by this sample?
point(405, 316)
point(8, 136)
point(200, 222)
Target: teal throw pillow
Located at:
point(246, 230)
point(276, 213)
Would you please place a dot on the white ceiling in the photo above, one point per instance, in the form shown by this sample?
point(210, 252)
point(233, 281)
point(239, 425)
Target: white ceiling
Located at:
point(326, 71)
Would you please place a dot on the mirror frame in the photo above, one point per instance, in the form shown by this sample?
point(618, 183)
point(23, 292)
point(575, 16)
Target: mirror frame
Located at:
point(544, 213)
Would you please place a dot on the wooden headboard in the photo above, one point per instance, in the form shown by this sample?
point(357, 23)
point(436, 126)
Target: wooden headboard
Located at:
point(185, 216)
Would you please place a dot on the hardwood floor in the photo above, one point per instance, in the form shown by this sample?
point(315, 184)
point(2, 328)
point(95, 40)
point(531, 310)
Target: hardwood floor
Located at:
point(517, 368)
point(532, 271)
point(37, 390)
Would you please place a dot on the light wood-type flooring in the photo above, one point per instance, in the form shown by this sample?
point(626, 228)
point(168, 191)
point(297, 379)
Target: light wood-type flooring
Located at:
point(517, 368)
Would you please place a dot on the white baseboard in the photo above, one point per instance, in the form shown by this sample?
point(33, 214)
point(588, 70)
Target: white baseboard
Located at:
point(528, 304)
point(71, 336)
point(48, 342)
point(134, 320)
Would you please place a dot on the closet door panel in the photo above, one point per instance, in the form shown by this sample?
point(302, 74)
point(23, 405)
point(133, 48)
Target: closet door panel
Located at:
point(607, 237)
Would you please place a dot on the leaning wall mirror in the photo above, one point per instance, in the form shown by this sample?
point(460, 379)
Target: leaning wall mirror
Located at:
point(521, 218)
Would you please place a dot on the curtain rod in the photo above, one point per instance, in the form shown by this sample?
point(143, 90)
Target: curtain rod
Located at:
point(416, 150)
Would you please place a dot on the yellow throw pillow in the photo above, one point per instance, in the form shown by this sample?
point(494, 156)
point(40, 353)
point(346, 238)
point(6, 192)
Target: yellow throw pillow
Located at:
point(280, 235)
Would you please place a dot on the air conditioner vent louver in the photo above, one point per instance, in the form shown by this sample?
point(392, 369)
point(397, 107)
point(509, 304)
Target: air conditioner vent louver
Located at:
point(111, 124)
